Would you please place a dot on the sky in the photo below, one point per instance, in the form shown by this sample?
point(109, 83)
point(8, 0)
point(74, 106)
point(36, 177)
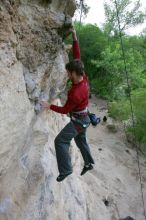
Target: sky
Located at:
point(96, 15)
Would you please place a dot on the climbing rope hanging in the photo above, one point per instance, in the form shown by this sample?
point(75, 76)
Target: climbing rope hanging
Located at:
point(81, 3)
point(131, 106)
point(81, 12)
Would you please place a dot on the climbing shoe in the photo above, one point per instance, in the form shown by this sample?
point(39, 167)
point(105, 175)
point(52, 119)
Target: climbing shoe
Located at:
point(127, 218)
point(86, 168)
point(61, 177)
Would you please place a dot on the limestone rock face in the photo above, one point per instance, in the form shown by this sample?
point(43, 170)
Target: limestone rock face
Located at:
point(32, 60)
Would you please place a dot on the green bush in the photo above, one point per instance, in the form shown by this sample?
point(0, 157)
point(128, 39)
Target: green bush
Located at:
point(139, 102)
point(121, 110)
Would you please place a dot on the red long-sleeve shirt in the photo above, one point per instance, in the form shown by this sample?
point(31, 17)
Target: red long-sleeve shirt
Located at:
point(76, 50)
point(77, 99)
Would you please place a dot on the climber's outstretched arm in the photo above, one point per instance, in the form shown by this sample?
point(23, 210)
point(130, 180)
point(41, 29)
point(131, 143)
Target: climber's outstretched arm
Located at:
point(74, 35)
point(76, 48)
point(68, 107)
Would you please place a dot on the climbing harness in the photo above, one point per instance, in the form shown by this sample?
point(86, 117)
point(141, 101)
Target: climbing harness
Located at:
point(131, 106)
point(80, 118)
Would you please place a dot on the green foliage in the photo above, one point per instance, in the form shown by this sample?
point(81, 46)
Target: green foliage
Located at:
point(139, 102)
point(110, 68)
point(121, 110)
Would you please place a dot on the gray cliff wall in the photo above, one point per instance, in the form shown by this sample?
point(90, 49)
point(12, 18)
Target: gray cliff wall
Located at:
point(32, 61)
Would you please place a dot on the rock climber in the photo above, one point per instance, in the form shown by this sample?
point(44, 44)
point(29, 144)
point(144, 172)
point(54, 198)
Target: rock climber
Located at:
point(77, 106)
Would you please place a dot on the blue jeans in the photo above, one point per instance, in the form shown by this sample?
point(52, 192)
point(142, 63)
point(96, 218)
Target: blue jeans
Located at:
point(62, 144)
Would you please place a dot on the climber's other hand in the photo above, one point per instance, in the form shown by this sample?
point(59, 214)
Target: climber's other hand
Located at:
point(45, 104)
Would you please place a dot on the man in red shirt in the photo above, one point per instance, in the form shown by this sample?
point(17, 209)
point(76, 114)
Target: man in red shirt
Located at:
point(76, 105)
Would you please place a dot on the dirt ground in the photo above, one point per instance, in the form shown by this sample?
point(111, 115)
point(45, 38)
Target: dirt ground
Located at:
point(115, 178)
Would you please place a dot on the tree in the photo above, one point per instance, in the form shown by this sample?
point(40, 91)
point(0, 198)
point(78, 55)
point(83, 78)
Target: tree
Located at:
point(85, 7)
point(143, 33)
point(130, 15)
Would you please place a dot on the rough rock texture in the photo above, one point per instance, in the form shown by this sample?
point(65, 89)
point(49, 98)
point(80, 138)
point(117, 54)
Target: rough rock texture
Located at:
point(32, 61)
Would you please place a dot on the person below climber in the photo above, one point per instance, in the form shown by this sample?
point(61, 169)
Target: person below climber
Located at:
point(76, 105)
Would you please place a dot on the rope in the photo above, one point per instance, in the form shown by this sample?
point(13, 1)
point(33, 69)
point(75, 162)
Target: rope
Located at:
point(131, 106)
point(81, 3)
point(81, 12)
